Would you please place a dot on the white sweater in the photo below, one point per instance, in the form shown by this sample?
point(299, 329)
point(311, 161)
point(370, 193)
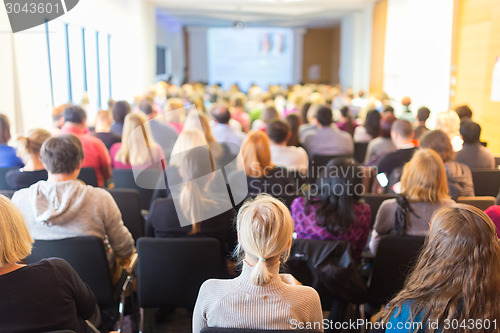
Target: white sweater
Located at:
point(238, 303)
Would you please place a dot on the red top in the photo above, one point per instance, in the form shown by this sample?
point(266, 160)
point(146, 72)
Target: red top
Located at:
point(95, 153)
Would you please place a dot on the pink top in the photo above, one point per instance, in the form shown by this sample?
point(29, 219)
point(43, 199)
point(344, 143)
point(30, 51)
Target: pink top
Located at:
point(95, 153)
point(243, 118)
point(177, 126)
point(157, 156)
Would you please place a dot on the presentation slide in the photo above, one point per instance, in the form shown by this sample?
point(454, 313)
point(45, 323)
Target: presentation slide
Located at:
point(251, 55)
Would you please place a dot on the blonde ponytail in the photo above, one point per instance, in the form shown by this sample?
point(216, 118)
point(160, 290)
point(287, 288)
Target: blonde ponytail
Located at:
point(32, 142)
point(260, 273)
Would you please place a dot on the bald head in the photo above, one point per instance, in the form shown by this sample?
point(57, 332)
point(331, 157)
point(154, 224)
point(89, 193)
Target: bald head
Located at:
point(406, 101)
point(221, 114)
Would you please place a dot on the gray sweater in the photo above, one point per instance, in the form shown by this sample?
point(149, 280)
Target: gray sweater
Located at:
point(70, 209)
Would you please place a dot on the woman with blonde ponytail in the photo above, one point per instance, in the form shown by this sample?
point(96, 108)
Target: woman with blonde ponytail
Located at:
point(260, 298)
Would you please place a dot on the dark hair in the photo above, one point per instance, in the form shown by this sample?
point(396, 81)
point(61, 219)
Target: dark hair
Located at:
point(269, 114)
point(337, 186)
point(278, 130)
point(372, 123)
point(438, 141)
point(423, 113)
point(120, 111)
point(293, 121)
point(146, 107)
point(324, 116)
point(221, 114)
point(386, 121)
point(62, 154)
point(303, 112)
point(403, 128)
point(463, 111)
point(4, 129)
point(388, 108)
point(74, 114)
point(470, 131)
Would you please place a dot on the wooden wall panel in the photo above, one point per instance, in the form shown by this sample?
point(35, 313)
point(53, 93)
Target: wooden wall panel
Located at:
point(322, 47)
point(378, 48)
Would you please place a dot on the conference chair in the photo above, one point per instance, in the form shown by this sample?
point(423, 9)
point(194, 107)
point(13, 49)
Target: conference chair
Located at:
point(486, 182)
point(244, 330)
point(129, 203)
point(482, 202)
point(374, 200)
point(360, 151)
point(124, 178)
point(3, 181)
point(88, 176)
point(171, 271)
point(7, 193)
point(88, 258)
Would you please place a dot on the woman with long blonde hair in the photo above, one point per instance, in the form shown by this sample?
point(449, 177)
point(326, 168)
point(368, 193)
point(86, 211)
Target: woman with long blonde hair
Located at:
point(424, 189)
point(454, 286)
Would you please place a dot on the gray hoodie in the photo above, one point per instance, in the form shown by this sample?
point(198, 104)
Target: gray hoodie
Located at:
point(459, 180)
point(70, 209)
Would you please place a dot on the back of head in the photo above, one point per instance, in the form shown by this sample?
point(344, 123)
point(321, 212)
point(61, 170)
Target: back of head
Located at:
point(269, 114)
point(372, 123)
point(278, 131)
point(188, 139)
point(32, 142)
point(146, 107)
point(344, 111)
point(386, 121)
point(75, 115)
point(424, 177)
point(265, 229)
point(4, 129)
point(324, 116)
point(470, 131)
point(423, 114)
point(389, 109)
point(403, 128)
point(448, 122)
point(464, 112)
point(256, 154)
point(438, 141)
point(103, 118)
point(238, 100)
point(15, 239)
point(120, 111)
point(221, 114)
point(131, 151)
point(62, 154)
point(406, 101)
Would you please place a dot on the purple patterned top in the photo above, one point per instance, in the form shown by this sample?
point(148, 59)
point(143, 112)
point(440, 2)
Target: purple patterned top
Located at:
point(304, 216)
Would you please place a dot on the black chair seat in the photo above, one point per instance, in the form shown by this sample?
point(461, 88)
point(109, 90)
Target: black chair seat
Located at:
point(88, 176)
point(3, 181)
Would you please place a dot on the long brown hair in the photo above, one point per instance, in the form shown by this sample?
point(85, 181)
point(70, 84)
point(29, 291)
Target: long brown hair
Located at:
point(256, 154)
point(457, 275)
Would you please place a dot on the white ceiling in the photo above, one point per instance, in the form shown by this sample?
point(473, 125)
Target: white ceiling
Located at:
point(281, 13)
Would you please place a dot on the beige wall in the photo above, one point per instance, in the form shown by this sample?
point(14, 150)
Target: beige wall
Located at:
point(322, 47)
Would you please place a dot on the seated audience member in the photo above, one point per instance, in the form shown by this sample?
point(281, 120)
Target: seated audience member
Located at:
point(260, 298)
point(346, 123)
point(136, 150)
point(464, 112)
point(473, 153)
point(449, 123)
point(120, 110)
point(293, 121)
point(33, 170)
point(222, 132)
point(402, 137)
point(8, 155)
point(95, 152)
point(41, 297)
point(337, 211)
point(175, 114)
point(456, 276)
point(262, 174)
point(103, 129)
point(423, 191)
point(382, 145)
point(238, 111)
point(458, 175)
point(64, 207)
point(57, 118)
point(163, 134)
point(422, 115)
point(388, 109)
point(370, 129)
point(328, 140)
point(310, 125)
point(493, 213)
point(266, 116)
point(292, 158)
point(406, 113)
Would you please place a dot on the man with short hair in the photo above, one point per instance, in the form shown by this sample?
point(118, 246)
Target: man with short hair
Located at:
point(423, 114)
point(464, 112)
point(402, 137)
point(222, 132)
point(473, 154)
point(328, 140)
point(120, 110)
point(63, 207)
point(103, 128)
point(290, 157)
point(95, 152)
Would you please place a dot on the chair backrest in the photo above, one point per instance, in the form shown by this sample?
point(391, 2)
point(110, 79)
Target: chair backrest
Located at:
point(7, 193)
point(480, 202)
point(129, 203)
point(374, 201)
point(497, 161)
point(124, 178)
point(486, 182)
point(244, 330)
point(88, 258)
point(171, 270)
point(88, 176)
point(360, 151)
point(396, 256)
point(315, 164)
point(3, 180)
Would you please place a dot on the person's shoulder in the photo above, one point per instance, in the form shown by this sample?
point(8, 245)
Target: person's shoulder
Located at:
point(303, 295)
point(215, 288)
point(388, 204)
